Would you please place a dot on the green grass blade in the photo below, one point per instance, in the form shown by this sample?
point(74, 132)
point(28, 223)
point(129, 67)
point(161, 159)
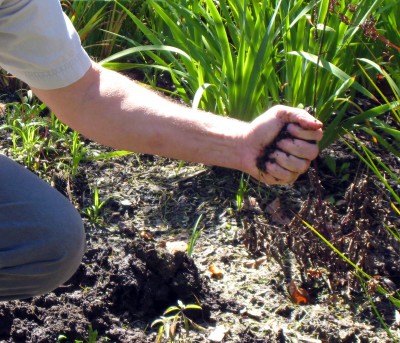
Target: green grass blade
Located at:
point(142, 48)
point(334, 70)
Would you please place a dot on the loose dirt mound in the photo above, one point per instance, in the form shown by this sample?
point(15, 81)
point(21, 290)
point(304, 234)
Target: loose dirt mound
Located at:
point(110, 289)
point(125, 282)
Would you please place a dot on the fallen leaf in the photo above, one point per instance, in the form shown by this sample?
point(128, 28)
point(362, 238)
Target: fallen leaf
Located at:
point(146, 236)
point(251, 204)
point(277, 215)
point(332, 299)
point(314, 273)
point(299, 295)
point(2, 108)
point(216, 272)
point(260, 261)
point(176, 246)
point(250, 264)
point(254, 264)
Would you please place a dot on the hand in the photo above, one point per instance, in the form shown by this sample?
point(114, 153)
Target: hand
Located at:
point(291, 156)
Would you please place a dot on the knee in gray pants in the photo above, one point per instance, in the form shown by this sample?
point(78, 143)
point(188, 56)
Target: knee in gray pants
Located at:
point(42, 238)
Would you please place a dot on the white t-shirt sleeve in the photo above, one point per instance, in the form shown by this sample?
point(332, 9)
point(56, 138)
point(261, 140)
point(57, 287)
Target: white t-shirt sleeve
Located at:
point(39, 45)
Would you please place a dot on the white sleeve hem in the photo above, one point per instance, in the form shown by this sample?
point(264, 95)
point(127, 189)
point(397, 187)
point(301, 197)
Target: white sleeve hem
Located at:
point(63, 76)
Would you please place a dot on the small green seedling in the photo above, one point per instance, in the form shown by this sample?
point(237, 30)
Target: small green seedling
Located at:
point(341, 171)
point(196, 232)
point(93, 212)
point(241, 193)
point(92, 337)
point(171, 326)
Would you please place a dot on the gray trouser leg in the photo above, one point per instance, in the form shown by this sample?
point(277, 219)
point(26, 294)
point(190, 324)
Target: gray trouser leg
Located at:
point(42, 238)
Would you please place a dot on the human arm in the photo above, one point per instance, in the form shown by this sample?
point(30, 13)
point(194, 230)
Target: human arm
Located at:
point(115, 111)
point(112, 110)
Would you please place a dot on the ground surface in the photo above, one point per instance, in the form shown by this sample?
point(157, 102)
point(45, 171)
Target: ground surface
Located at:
point(262, 255)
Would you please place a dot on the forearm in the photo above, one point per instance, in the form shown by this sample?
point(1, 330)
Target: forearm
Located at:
point(114, 111)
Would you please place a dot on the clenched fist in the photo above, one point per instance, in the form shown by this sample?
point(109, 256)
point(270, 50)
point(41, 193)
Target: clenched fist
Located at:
point(280, 144)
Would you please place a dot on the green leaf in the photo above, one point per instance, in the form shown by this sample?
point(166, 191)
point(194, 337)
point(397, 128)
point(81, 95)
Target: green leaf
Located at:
point(193, 307)
point(334, 70)
point(142, 48)
point(172, 309)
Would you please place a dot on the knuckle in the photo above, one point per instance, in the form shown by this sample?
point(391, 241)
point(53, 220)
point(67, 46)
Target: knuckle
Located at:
point(304, 167)
point(314, 152)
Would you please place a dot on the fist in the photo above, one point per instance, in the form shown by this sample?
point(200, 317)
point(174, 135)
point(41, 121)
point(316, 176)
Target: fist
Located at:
point(280, 145)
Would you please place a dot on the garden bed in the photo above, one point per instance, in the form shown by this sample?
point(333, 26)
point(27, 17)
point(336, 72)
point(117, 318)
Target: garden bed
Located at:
point(128, 277)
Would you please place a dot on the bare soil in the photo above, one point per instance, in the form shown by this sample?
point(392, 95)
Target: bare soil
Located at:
point(279, 282)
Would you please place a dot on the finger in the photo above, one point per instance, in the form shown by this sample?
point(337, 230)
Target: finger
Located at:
point(301, 133)
point(289, 162)
point(269, 180)
point(281, 174)
point(299, 148)
point(299, 116)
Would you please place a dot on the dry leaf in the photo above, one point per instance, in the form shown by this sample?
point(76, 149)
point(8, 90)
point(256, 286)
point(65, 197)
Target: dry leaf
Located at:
point(146, 236)
point(332, 299)
point(249, 263)
point(260, 261)
point(251, 204)
point(254, 264)
point(216, 272)
point(177, 246)
point(172, 328)
point(2, 108)
point(299, 295)
point(314, 273)
point(275, 210)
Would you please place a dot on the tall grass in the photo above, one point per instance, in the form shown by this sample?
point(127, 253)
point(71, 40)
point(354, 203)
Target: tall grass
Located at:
point(231, 49)
point(97, 23)
point(238, 58)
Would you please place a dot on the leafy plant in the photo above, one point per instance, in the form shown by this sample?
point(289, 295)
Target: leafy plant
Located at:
point(78, 151)
point(28, 133)
point(341, 171)
point(172, 326)
point(97, 23)
point(227, 52)
point(9, 83)
point(241, 193)
point(331, 77)
point(238, 58)
point(93, 212)
point(364, 278)
point(368, 291)
point(196, 232)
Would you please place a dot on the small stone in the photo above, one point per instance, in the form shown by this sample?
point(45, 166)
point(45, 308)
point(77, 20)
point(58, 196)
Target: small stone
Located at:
point(218, 334)
point(126, 202)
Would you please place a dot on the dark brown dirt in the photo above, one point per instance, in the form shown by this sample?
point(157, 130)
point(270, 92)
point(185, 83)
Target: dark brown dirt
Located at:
point(265, 154)
point(112, 288)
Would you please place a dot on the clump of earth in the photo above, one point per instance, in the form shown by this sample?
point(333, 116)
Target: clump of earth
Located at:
point(113, 288)
point(128, 278)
